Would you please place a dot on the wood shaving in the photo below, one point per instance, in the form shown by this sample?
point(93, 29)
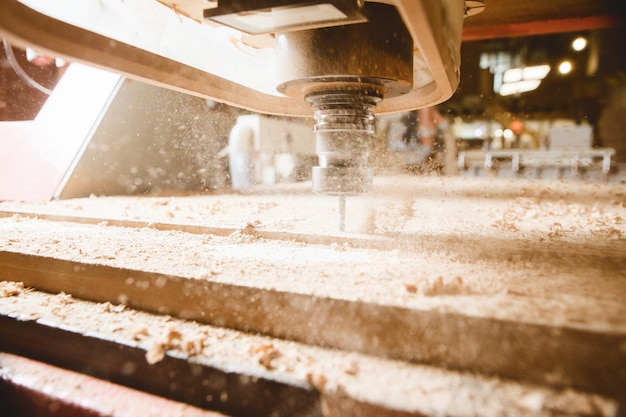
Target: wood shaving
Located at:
point(170, 338)
point(63, 298)
point(352, 368)
point(410, 288)
point(266, 354)
point(11, 288)
point(318, 380)
point(440, 287)
point(194, 344)
point(107, 307)
point(141, 333)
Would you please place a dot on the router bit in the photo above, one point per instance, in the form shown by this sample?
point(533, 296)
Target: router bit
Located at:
point(342, 213)
point(343, 73)
point(343, 130)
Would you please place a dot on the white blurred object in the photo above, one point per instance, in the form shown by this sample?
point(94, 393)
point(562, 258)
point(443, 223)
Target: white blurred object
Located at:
point(241, 156)
point(265, 150)
point(568, 136)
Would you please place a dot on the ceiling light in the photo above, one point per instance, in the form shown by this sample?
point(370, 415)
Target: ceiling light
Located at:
point(565, 67)
point(518, 87)
point(522, 80)
point(512, 75)
point(579, 43)
point(537, 72)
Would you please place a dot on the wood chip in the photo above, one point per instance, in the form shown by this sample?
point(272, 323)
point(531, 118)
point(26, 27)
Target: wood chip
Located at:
point(11, 288)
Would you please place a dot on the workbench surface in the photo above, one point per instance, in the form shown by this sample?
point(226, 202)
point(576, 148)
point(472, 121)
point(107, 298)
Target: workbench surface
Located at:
point(521, 279)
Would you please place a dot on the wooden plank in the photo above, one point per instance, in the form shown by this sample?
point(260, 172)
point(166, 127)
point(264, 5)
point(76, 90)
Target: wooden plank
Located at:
point(244, 374)
point(509, 248)
point(554, 355)
point(173, 378)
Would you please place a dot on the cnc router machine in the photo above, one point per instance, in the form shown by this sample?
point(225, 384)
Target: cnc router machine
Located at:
point(434, 297)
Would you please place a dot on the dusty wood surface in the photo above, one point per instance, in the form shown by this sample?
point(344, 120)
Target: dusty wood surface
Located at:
point(523, 280)
point(244, 374)
point(543, 354)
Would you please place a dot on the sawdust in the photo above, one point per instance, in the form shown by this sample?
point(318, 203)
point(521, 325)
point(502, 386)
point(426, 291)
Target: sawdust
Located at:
point(535, 252)
point(170, 338)
point(107, 307)
point(453, 286)
point(438, 287)
point(140, 333)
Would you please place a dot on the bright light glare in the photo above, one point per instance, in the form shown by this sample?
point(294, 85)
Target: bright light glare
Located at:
point(512, 75)
point(565, 67)
point(498, 133)
point(579, 43)
point(508, 134)
point(478, 133)
point(519, 87)
point(537, 72)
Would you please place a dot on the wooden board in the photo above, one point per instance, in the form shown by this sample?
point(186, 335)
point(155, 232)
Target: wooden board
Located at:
point(243, 374)
point(522, 279)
